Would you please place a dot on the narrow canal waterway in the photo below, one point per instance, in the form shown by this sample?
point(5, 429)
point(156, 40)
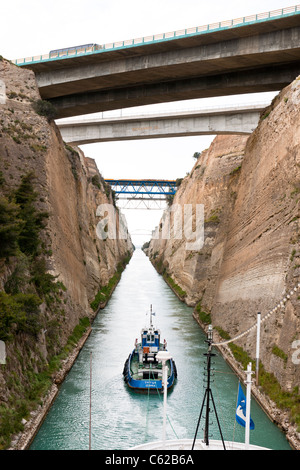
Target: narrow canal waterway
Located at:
point(122, 419)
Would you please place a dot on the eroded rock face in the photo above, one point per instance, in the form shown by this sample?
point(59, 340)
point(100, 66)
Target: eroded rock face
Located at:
point(208, 184)
point(72, 252)
point(63, 181)
point(250, 260)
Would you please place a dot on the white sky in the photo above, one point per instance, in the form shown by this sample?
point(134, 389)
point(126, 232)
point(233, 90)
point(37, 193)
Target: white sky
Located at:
point(32, 27)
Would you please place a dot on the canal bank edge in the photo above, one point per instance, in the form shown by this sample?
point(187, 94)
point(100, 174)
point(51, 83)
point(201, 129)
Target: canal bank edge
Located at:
point(23, 440)
point(277, 416)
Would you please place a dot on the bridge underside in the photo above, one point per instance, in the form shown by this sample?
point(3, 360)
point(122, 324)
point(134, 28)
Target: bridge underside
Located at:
point(143, 187)
point(259, 57)
point(174, 125)
point(143, 194)
point(142, 202)
point(264, 79)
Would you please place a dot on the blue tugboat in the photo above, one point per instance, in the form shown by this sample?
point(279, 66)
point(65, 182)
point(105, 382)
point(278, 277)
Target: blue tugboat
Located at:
point(142, 370)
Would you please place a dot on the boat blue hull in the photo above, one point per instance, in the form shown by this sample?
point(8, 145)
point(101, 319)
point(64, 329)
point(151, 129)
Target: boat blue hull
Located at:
point(145, 385)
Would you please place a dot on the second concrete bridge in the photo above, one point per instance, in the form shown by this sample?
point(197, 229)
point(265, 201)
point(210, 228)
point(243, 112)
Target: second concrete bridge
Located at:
point(229, 120)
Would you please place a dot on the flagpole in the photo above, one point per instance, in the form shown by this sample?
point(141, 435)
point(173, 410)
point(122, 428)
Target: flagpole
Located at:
point(248, 400)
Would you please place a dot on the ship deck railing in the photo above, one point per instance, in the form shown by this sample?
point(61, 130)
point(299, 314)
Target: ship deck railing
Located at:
point(137, 367)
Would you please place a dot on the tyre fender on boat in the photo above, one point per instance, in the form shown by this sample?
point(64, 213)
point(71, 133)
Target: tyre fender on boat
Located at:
point(175, 369)
point(126, 369)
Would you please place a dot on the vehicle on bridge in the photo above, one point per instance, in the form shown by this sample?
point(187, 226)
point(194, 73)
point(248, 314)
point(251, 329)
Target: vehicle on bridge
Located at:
point(83, 49)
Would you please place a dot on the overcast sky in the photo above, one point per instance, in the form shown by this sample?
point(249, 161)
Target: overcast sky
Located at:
point(32, 27)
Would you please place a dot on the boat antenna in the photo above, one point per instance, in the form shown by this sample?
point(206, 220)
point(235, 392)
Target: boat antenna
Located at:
point(208, 394)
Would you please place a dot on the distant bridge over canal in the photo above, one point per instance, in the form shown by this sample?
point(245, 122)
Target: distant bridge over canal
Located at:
point(143, 193)
point(234, 119)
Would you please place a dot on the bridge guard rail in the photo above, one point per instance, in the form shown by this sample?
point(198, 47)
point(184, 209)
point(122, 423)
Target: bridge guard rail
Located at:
point(212, 27)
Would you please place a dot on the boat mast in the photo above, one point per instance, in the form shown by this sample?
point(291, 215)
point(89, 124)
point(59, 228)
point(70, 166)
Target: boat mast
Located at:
point(208, 394)
point(151, 325)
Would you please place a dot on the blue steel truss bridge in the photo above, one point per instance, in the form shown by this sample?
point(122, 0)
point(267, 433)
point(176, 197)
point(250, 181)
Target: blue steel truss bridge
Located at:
point(142, 193)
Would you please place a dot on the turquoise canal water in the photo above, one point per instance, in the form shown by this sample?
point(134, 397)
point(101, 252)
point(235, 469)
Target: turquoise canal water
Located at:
point(121, 418)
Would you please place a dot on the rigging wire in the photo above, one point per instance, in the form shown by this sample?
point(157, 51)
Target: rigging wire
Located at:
point(280, 305)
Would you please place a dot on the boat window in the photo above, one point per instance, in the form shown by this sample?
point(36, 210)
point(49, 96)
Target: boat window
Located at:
point(150, 338)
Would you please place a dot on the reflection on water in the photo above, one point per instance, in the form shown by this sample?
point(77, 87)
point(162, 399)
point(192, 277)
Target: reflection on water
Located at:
point(121, 418)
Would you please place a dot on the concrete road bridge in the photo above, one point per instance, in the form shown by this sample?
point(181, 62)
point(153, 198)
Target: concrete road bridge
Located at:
point(211, 121)
point(258, 53)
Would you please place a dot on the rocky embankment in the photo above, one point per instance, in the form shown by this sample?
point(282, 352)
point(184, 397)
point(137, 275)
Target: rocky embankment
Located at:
point(52, 263)
point(250, 259)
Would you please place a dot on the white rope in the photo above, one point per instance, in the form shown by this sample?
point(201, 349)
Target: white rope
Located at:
point(280, 305)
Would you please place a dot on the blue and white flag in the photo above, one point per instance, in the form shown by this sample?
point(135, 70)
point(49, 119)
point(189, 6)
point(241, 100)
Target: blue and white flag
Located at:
point(240, 415)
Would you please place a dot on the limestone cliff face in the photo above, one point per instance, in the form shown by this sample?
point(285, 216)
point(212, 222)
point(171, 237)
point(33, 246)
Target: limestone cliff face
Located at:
point(250, 259)
point(208, 185)
point(47, 286)
point(82, 260)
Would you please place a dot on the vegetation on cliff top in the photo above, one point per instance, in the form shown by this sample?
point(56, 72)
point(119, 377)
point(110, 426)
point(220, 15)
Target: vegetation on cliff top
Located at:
point(45, 108)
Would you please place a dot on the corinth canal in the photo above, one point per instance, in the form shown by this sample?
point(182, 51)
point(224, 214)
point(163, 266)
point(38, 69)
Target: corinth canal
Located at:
point(120, 418)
